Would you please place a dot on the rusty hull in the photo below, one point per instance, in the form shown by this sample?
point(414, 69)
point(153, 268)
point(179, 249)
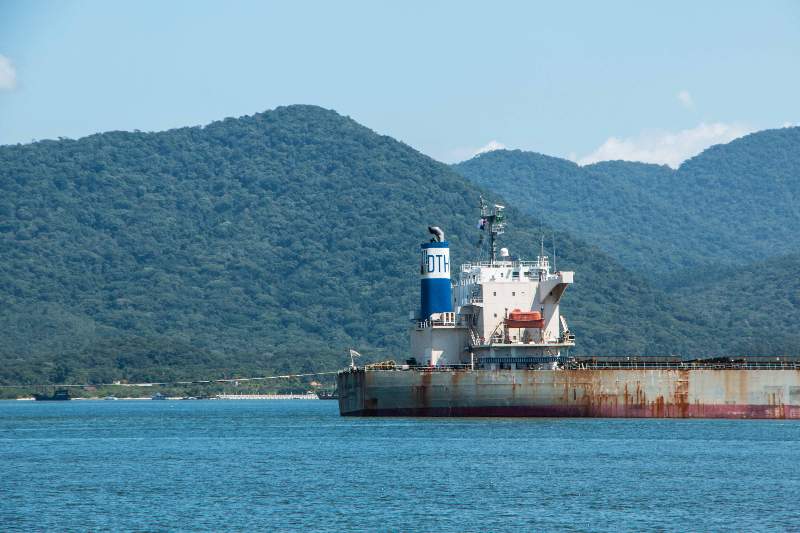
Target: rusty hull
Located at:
point(623, 393)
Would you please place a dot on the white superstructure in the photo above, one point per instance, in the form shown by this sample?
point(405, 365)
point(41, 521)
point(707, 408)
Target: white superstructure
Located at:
point(505, 313)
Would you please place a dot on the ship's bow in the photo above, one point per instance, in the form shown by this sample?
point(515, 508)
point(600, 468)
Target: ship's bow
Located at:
point(351, 386)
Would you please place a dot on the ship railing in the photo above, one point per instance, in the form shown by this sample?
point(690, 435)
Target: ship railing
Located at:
point(663, 365)
point(445, 319)
point(623, 365)
point(534, 267)
point(466, 267)
point(420, 368)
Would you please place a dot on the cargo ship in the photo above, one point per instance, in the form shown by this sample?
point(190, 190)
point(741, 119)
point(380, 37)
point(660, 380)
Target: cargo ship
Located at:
point(493, 342)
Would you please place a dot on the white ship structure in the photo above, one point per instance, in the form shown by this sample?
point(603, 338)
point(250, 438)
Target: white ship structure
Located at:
point(493, 342)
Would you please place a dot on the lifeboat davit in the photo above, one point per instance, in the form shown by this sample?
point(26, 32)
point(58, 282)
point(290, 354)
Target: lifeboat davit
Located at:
point(525, 319)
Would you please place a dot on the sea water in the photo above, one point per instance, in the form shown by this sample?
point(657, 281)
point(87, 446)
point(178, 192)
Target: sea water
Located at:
point(296, 465)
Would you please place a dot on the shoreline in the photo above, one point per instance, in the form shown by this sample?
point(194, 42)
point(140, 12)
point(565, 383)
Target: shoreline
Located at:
point(217, 397)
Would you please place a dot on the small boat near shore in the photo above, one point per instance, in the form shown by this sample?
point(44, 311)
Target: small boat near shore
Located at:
point(59, 395)
point(328, 394)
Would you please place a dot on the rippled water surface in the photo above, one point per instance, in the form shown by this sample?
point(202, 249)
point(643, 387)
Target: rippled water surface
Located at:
point(296, 465)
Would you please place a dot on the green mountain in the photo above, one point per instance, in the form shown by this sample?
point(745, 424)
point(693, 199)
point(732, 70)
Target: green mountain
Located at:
point(756, 307)
point(730, 205)
point(251, 245)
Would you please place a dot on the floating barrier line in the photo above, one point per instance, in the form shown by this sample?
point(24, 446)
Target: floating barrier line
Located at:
point(166, 383)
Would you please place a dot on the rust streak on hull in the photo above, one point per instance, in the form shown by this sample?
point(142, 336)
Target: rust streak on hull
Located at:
point(572, 393)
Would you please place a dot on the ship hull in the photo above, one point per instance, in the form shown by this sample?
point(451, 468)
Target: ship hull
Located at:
point(623, 393)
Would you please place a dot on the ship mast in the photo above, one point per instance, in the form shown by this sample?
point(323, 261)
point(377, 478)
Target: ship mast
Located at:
point(494, 220)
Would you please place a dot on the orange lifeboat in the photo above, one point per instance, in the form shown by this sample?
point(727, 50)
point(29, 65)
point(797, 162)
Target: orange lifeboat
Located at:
point(525, 319)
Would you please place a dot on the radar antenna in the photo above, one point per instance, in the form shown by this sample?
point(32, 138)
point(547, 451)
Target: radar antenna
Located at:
point(493, 220)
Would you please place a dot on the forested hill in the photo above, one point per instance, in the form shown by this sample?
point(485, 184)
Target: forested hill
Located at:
point(730, 205)
point(757, 307)
point(268, 242)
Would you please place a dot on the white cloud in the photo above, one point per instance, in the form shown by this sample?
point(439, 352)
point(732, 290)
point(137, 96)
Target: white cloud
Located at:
point(664, 147)
point(685, 99)
point(8, 76)
point(489, 147)
point(456, 155)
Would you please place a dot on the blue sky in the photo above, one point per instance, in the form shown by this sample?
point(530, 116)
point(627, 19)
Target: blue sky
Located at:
point(583, 80)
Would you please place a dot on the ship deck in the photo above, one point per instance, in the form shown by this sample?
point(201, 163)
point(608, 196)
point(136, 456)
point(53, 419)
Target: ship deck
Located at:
point(617, 363)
